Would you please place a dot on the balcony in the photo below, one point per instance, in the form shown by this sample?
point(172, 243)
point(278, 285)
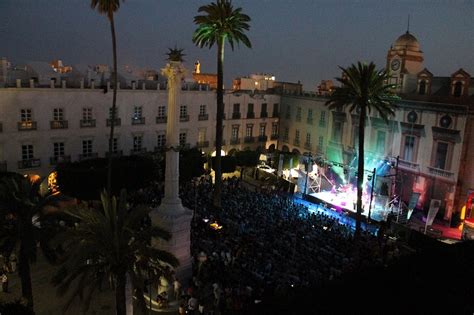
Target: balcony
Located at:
point(31, 163)
point(298, 118)
point(440, 172)
point(3, 166)
point(117, 153)
point(274, 137)
point(250, 115)
point(88, 156)
point(263, 115)
point(87, 123)
point(26, 125)
point(160, 148)
point(234, 141)
point(59, 159)
point(275, 114)
point(138, 120)
point(202, 144)
point(309, 121)
point(236, 115)
point(184, 118)
point(58, 124)
point(249, 140)
point(161, 120)
point(408, 164)
point(296, 142)
point(117, 122)
point(204, 117)
point(307, 146)
point(262, 138)
point(184, 146)
point(137, 151)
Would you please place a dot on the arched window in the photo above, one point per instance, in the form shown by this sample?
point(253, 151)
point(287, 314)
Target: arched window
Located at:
point(422, 87)
point(457, 89)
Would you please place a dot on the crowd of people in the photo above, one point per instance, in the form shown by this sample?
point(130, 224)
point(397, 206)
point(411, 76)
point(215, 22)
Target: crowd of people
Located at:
point(262, 245)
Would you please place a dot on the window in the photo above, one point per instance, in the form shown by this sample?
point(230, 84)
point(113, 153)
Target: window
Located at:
point(320, 142)
point(337, 131)
point(409, 148)
point(202, 110)
point(263, 112)
point(235, 132)
point(58, 114)
point(58, 149)
point(380, 143)
point(422, 87)
point(288, 112)
point(308, 138)
point(182, 139)
point(322, 119)
point(161, 111)
point(250, 108)
point(87, 113)
point(262, 130)
point(457, 89)
point(137, 112)
point(137, 143)
point(202, 135)
point(275, 110)
point(27, 152)
point(248, 131)
point(26, 115)
point(86, 148)
point(297, 135)
point(274, 129)
point(310, 116)
point(441, 155)
point(236, 108)
point(298, 114)
point(161, 140)
point(286, 135)
point(183, 111)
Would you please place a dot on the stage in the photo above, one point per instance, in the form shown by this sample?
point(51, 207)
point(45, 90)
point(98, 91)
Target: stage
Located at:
point(345, 201)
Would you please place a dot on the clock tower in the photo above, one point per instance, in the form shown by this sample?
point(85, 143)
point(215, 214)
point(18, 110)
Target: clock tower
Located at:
point(404, 61)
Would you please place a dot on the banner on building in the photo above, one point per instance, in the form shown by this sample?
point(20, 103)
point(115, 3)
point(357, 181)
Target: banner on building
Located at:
point(412, 203)
point(434, 207)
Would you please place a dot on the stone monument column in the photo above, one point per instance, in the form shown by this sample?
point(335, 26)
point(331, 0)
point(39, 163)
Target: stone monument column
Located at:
point(171, 215)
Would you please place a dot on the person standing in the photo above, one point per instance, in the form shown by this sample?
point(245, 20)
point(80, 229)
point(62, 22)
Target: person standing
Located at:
point(4, 279)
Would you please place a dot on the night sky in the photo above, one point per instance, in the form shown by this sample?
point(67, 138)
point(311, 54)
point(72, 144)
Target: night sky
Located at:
point(293, 39)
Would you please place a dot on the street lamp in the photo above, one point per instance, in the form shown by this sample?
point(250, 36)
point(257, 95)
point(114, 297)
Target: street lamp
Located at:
point(307, 160)
point(371, 193)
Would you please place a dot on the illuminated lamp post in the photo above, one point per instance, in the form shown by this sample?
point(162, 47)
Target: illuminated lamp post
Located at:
point(371, 194)
point(307, 161)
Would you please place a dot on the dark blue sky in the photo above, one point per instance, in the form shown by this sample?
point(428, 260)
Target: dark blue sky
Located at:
point(294, 39)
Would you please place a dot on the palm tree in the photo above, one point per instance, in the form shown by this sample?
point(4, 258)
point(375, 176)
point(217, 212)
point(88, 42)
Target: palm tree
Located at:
point(24, 224)
point(220, 23)
point(109, 243)
point(109, 7)
point(363, 89)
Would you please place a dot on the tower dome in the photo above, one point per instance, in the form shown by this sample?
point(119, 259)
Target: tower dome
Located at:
point(407, 41)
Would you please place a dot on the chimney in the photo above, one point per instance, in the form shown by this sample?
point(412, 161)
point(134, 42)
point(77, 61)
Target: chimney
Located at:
point(18, 83)
point(158, 86)
point(118, 85)
point(92, 84)
point(133, 85)
point(143, 85)
point(51, 83)
point(32, 83)
point(81, 83)
point(108, 85)
point(63, 84)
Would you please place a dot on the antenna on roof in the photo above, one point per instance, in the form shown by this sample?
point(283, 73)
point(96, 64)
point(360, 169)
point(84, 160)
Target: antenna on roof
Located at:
point(408, 26)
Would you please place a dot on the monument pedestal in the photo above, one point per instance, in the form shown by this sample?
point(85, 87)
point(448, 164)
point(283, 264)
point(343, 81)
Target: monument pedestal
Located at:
point(178, 223)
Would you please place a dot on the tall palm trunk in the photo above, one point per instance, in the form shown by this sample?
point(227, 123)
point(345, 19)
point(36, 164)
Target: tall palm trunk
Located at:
point(114, 100)
point(360, 172)
point(24, 270)
point(120, 300)
point(219, 119)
